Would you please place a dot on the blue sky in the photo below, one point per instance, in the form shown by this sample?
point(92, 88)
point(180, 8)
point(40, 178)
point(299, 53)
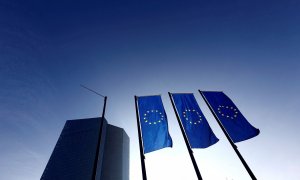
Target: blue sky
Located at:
point(121, 48)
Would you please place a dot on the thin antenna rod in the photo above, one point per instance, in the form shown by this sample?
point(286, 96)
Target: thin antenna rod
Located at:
point(94, 175)
point(92, 90)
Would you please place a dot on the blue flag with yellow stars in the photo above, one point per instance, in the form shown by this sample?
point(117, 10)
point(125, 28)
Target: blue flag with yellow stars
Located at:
point(154, 123)
point(236, 125)
point(195, 125)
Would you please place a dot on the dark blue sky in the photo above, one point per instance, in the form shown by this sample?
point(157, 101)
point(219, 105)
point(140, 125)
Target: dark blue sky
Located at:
point(121, 48)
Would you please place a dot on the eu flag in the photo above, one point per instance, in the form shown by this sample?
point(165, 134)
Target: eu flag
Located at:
point(195, 125)
point(154, 125)
point(236, 125)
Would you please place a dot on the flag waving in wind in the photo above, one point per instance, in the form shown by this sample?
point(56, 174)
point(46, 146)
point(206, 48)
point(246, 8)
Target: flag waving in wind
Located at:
point(236, 125)
point(154, 124)
point(195, 125)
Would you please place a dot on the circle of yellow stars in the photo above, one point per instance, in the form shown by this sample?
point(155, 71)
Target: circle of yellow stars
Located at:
point(229, 112)
point(187, 115)
point(153, 112)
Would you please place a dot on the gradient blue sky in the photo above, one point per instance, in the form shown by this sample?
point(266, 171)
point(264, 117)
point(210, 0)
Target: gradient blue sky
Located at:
point(249, 49)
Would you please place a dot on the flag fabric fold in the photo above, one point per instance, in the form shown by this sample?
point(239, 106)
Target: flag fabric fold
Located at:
point(196, 127)
point(236, 125)
point(154, 123)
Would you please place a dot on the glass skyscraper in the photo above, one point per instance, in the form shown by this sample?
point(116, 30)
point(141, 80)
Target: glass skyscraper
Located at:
point(73, 157)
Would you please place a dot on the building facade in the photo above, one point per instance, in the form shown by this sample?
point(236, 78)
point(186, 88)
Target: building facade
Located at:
point(74, 156)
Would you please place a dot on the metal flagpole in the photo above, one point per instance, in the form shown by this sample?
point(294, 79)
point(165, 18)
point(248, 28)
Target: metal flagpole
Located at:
point(99, 140)
point(140, 140)
point(229, 139)
point(100, 132)
point(186, 140)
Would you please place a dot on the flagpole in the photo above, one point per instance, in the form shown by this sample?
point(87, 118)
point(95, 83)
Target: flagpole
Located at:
point(142, 156)
point(228, 138)
point(186, 140)
point(94, 175)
